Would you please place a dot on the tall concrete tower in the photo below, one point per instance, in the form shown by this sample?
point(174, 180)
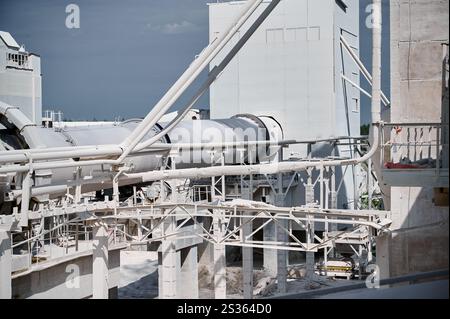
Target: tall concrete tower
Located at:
point(292, 69)
point(20, 78)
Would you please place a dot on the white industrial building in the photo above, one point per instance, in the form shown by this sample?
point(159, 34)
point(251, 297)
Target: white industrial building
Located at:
point(294, 69)
point(291, 69)
point(20, 78)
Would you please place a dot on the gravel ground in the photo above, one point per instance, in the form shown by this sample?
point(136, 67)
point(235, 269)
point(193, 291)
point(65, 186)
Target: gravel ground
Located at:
point(139, 278)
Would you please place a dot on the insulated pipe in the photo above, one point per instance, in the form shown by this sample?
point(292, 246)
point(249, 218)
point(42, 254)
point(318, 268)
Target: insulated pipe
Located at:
point(22, 123)
point(54, 149)
point(186, 79)
point(376, 62)
point(272, 168)
point(234, 131)
point(25, 157)
point(18, 156)
point(55, 189)
point(30, 133)
point(50, 165)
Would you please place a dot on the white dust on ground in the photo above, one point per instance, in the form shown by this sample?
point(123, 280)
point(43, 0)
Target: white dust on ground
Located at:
point(139, 279)
point(138, 275)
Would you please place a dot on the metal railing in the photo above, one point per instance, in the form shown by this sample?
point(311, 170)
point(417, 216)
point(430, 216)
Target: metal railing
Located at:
point(17, 60)
point(414, 146)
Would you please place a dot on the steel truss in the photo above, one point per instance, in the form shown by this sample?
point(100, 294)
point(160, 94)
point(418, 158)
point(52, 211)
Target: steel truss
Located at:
point(354, 227)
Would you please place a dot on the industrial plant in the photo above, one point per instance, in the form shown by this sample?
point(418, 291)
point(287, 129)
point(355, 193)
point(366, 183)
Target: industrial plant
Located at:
point(271, 191)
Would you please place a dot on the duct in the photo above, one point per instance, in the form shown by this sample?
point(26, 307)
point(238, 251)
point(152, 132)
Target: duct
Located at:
point(227, 131)
point(263, 169)
point(88, 185)
point(21, 157)
point(27, 128)
point(55, 177)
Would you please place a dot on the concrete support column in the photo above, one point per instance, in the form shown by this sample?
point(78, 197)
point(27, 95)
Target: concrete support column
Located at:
point(309, 199)
point(206, 249)
point(5, 264)
point(188, 283)
point(310, 256)
point(27, 183)
point(247, 263)
point(77, 197)
point(169, 263)
point(220, 282)
point(270, 255)
point(247, 252)
point(275, 261)
point(383, 255)
point(282, 255)
point(100, 272)
point(333, 201)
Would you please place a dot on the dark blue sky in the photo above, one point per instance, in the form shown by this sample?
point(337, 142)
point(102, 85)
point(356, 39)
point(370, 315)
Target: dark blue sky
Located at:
point(125, 55)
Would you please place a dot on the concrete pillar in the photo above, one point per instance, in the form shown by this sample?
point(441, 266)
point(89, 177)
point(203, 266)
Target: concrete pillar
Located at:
point(188, 283)
point(275, 261)
point(220, 282)
point(247, 252)
point(100, 272)
point(206, 249)
point(270, 255)
point(169, 263)
point(27, 182)
point(247, 263)
point(309, 198)
point(383, 254)
point(282, 255)
point(77, 197)
point(333, 202)
point(5, 265)
point(310, 256)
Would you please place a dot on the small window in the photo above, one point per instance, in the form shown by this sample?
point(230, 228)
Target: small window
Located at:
point(355, 105)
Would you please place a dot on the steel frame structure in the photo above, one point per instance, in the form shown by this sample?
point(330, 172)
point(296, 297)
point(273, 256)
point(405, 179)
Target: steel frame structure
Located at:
point(352, 227)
